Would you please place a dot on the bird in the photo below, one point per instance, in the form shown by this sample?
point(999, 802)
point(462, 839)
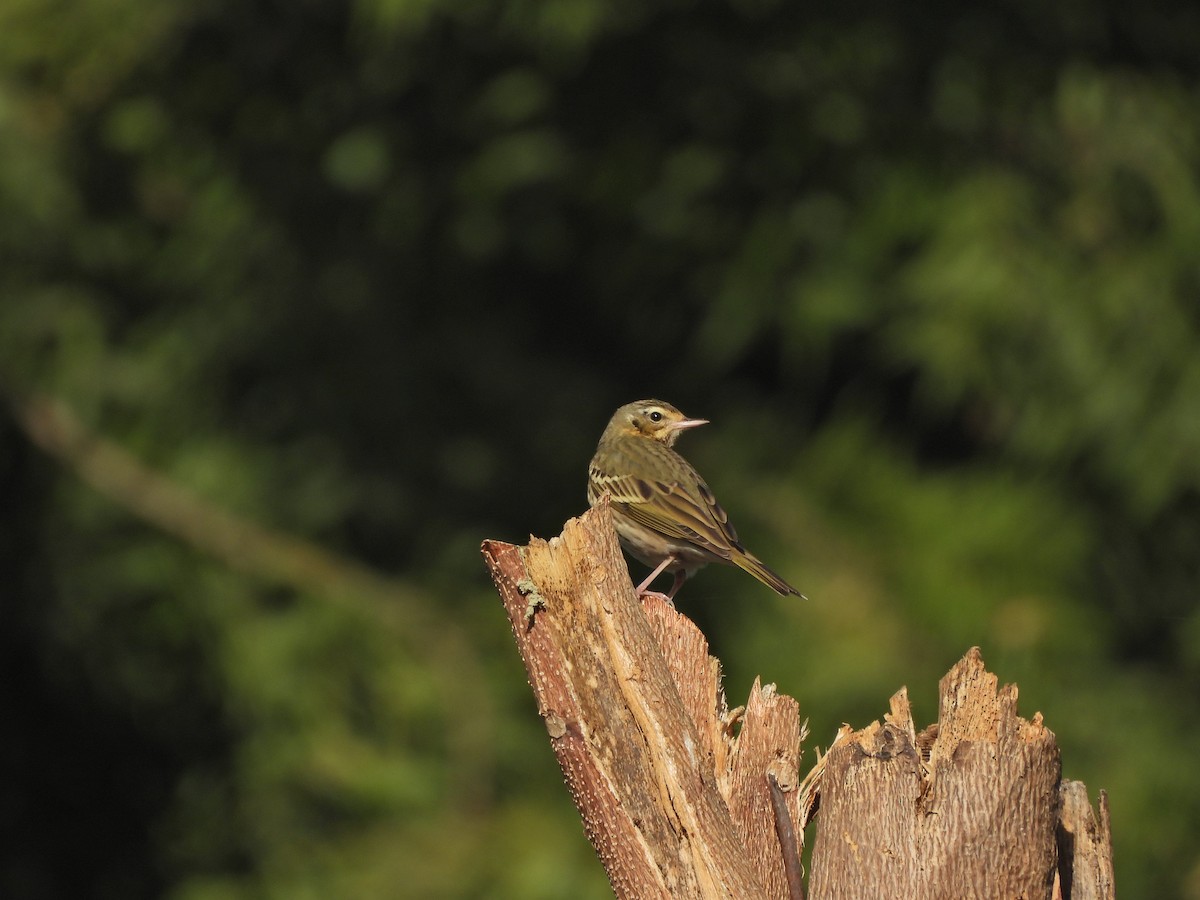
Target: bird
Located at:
point(664, 513)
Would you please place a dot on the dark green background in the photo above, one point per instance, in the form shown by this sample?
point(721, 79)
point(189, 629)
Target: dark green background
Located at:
point(375, 275)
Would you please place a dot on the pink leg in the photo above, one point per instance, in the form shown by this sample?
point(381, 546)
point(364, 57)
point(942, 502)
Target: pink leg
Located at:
point(680, 578)
point(642, 588)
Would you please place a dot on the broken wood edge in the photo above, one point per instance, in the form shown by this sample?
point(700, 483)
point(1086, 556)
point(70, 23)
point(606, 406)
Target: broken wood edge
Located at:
point(555, 594)
point(671, 790)
point(978, 729)
point(1084, 845)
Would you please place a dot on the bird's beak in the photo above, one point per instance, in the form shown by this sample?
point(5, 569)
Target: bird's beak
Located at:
point(687, 423)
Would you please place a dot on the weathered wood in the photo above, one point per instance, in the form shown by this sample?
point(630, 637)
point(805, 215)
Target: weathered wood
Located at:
point(673, 787)
point(1084, 845)
point(975, 817)
point(675, 804)
point(767, 742)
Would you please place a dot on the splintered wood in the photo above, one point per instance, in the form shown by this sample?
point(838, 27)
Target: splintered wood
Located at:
point(1084, 845)
point(673, 794)
point(967, 808)
point(676, 790)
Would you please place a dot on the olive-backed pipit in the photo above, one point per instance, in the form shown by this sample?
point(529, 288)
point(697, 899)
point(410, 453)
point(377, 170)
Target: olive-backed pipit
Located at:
point(664, 513)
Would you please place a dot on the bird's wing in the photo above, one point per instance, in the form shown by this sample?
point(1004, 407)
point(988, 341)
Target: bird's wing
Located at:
point(673, 510)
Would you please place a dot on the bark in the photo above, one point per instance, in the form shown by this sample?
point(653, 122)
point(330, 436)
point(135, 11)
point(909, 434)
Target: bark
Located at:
point(968, 808)
point(673, 794)
point(682, 797)
point(1084, 845)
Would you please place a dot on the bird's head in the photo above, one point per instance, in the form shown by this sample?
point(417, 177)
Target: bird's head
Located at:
point(654, 419)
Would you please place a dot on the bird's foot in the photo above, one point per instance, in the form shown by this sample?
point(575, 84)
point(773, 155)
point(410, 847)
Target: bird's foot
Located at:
point(656, 595)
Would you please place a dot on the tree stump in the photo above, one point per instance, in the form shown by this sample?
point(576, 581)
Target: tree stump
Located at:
point(684, 798)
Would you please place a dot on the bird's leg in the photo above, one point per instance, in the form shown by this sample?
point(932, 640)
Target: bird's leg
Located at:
point(644, 586)
point(680, 577)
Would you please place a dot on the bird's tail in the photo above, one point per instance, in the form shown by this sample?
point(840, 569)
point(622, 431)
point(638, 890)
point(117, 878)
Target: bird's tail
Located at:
point(760, 570)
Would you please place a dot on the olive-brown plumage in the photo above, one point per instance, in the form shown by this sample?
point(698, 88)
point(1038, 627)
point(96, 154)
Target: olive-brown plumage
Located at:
point(664, 513)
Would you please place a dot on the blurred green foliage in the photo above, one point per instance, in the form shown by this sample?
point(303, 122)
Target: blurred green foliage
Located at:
point(376, 274)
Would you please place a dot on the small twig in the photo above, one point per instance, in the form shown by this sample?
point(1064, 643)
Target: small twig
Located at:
point(787, 840)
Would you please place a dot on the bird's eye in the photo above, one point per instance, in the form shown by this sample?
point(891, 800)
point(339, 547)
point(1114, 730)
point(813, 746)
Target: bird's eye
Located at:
point(655, 415)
